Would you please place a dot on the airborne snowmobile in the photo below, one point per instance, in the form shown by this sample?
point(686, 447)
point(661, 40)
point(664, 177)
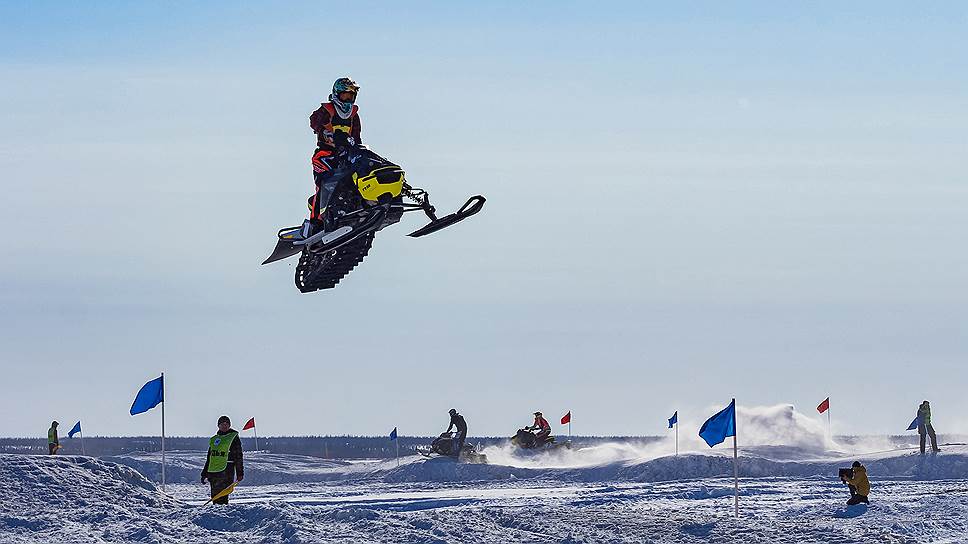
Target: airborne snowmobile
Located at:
point(372, 193)
point(444, 446)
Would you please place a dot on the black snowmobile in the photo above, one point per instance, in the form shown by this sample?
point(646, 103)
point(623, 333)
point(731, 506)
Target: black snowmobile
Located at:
point(444, 446)
point(372, 193)
point(527, 439)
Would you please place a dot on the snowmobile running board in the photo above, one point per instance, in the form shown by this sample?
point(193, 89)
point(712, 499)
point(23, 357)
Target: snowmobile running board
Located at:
point(473, 205)
point(290, 244)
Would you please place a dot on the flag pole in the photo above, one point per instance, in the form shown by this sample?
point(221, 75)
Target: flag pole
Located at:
point(397, 442)
point(677, 434)
point(82, 442)
point(256, 433)
point(830, 433)
point(735, 463)
point(162, 432)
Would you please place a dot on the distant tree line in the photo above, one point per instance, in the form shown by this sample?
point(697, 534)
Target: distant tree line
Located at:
point(328, 447)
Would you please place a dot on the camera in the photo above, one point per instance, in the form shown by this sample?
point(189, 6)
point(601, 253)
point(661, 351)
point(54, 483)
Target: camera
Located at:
point(846, 473)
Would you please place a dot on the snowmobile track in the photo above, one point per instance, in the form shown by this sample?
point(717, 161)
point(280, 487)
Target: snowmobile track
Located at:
point(309, 278)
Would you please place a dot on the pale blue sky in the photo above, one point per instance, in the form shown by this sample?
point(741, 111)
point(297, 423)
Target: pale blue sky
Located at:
point(685, 204)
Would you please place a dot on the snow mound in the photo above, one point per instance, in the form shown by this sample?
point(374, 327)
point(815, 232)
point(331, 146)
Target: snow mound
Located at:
point(84, 499)
point(774, 462)
point(603, 463)
point(898, 465)
point(446, 469)
point(38, 491)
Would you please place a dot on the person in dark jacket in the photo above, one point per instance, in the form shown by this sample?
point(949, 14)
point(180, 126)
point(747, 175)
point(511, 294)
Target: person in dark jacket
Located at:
point(457, 420)
point(925, 428)
point(337, 126)
point(223, 466)
point(859, 485)
point(53, 444)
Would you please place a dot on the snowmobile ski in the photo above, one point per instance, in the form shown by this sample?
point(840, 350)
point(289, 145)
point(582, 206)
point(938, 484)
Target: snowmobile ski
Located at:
point(473, 205)
point(291, 241)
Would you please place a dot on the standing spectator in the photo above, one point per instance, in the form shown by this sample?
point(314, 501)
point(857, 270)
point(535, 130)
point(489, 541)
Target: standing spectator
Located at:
point(53, 444)
point(925, 428)
point(224, 462)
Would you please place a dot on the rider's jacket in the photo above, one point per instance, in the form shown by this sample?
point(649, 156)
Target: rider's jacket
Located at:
point(332, 131)
point(541, 423)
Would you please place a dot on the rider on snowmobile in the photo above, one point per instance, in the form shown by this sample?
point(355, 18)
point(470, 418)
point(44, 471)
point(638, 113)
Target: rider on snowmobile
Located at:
point(542, 426)
point(457, 420)
point(337, 127)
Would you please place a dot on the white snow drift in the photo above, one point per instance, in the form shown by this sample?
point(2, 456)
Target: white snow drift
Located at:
point(579, 496)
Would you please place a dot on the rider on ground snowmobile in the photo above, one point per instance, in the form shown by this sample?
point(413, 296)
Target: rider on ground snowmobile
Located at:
point(457, 420)
point(337, 127)
point(542, 426)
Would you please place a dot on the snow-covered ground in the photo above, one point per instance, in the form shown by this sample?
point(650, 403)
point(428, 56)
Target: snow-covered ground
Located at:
point(609, 493)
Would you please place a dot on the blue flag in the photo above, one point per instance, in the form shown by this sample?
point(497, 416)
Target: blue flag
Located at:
point(75, 430)
point(674, 419)
point(150, 395)
point(914, 424)
point(721, 425)
point(393, 434)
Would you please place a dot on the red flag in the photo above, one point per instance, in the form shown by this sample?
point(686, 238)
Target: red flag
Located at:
point(250, 424)
point(566, 419)
point(824, 406)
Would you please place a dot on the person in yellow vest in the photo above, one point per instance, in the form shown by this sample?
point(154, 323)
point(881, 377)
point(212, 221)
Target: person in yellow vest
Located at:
point(223, 466)
point(52, 442)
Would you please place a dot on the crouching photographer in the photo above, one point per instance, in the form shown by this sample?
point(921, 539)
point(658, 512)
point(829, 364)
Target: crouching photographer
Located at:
point(856, 480)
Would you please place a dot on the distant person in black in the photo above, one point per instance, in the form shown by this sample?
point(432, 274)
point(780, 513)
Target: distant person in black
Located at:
point(457, 420)
point(224, 462)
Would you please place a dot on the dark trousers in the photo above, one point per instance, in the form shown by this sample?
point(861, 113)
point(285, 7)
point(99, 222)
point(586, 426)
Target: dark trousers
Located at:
point(459, 442)
point(326, 181)
point(857, 499)
point(929, 430)
point(52, 448)
point(219, 481)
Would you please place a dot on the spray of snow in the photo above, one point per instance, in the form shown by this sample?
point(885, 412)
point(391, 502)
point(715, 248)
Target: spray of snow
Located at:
point(777, 432)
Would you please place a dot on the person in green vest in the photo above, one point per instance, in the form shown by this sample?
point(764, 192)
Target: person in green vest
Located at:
point(925, 427)
point(223, 466)
point(52, 442)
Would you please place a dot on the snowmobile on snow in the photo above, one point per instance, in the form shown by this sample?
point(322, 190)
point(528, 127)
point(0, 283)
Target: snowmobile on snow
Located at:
point(527, 439)
point(372, 194)
point(444, 446)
